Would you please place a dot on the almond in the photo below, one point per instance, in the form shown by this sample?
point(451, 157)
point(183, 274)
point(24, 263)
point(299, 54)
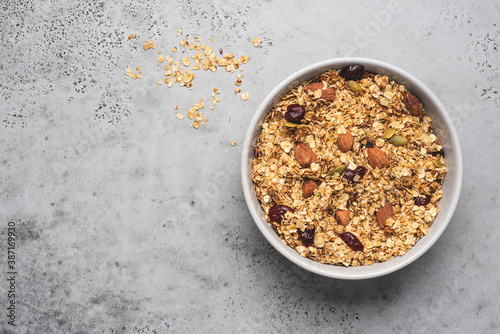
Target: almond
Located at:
point(377, 158)
point(309, 187)
point(413, 105)
point(328, 93)
point(304, 155)
point(384, 212)
point(343, 216)
point(345, 141)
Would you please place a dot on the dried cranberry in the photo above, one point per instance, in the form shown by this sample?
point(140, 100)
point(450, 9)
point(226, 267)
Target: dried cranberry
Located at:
point(277, 212)
point(307, 237)
point(352, 71)
point(350, 174)
point(421, 201)
point(436, 153)
point(294, 113)
point(352, 241)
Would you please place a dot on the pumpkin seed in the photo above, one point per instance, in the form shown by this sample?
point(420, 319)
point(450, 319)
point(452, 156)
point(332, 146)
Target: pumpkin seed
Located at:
point(438, 162)
point(291, 125)
point(339, 169)
point(398, 140)
point(389, 133)
point(354, 86)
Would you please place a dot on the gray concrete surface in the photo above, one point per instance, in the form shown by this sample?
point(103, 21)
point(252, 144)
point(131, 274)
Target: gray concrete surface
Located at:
point(130, 221)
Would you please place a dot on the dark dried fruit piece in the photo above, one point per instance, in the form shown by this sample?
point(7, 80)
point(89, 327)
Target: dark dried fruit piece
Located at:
point(309, 187)
point(352, 72)
point(436, 153)
point(307, 237)
point(422, 201)
point(413, 105)
point(352, 241)
point(277, 212)
point(295, 113)
point(350, 175)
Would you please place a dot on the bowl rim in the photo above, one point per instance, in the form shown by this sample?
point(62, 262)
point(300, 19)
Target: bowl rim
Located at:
point(333, 271)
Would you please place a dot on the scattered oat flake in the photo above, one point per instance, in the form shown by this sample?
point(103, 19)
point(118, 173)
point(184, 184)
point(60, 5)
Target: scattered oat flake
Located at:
point(211, 40)
point(174, 49)
point(233, 143)
point(149, 45)
point(131, 74)
point(161, 59)
point(238, 80)
point(244, 96)
point(176, 107)
point(216, 90)
point(179, 115)
point(132, 36)
point(236, 91)
point(179, 31)
point(196, 39)
point(186, 61)
point(244, 59)
point(256, 41)
point(158, 82)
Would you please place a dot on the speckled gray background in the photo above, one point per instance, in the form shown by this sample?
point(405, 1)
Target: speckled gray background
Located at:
point(130, 221)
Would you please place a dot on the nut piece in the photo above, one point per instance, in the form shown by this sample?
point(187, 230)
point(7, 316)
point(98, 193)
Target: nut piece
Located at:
point(309, 187)
point(343, 217)
point(384, 212)
point(304, 155)
point(413, 105)
point(377, 158)
point(345, 141)
point(328, 93)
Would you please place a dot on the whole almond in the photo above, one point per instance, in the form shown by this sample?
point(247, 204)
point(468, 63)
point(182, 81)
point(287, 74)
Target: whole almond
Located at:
point(413, 105)
point(384, 212)
point(328, 93)
point(377, 158)
point(304, 155)
point(309, 187)
point(343, 217)
point(345, 141)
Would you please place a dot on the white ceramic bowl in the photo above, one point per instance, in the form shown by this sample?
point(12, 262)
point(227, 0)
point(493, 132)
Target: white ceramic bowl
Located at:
point(443, 128)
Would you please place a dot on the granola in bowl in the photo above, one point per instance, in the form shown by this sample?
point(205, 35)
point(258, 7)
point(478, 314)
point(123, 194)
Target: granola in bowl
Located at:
point(347, 168)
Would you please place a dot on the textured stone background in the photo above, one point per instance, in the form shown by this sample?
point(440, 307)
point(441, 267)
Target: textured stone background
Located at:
point(130, 221)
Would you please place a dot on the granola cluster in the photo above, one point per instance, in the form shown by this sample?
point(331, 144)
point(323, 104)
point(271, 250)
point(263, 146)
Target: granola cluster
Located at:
point(349, 207)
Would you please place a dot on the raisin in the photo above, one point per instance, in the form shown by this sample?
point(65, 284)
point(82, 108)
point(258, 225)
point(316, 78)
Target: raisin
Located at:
point(277, 212)
point(436, 153)
point(421, 201)
point(352, 72)
point(352, 241)
point(349, 174)
point(307, 237)
point(295, 113)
